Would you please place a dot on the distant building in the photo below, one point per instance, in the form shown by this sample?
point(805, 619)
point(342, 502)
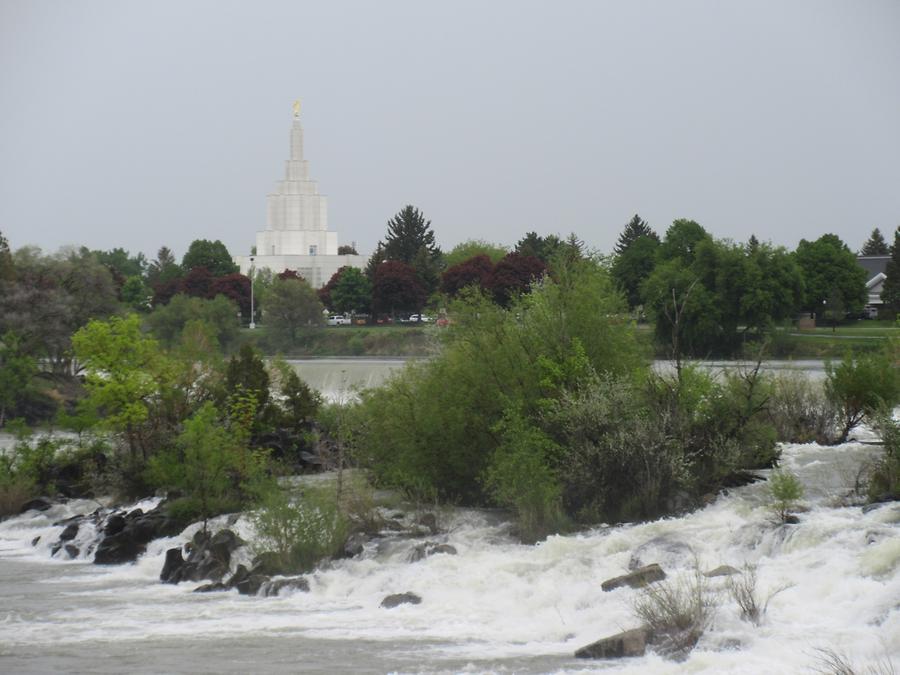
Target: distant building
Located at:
point(297, 236)
point(875, 267)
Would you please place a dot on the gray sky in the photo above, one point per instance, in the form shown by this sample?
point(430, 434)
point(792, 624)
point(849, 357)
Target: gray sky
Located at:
point(141, 124)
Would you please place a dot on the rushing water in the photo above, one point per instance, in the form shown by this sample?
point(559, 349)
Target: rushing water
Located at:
point(497, 606)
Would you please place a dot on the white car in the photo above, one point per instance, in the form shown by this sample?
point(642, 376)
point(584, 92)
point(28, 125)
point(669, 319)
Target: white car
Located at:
point(337, 320)
point(415, 318)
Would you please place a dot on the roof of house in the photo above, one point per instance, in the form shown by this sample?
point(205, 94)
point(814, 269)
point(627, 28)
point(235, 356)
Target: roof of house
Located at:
point(873, 264)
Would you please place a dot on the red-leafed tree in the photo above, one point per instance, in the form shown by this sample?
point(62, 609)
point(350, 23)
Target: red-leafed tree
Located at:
point(325, 291)
point(513, 275)
point(474, 271)
point(235, 287)
point(163, 291)
point(397, 288)
point(289, 274)
point(198, 283)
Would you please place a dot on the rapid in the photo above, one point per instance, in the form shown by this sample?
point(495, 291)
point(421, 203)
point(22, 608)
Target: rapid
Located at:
point(496, 606)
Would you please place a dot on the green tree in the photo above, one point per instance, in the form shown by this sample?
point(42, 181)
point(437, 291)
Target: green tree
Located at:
point(890, 292)
point(209, 254)
point(122, 263)
point(634, 230)
point(135, 294)
point(347, 250)
point(875, 244)
point(633, 265)
point(167, 322)
point(123, 368)
point(164, 268)
point(7, 270)
point(17, 369)
point(682, 241)
point(290, 306)
point(407, 233)
point(202, 465)
point(535, 246)
point(828, 267)
point(352, 293)
point(473, 247)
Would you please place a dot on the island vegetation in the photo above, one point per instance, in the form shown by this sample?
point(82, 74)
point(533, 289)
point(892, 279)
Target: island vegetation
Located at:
point(538, 395)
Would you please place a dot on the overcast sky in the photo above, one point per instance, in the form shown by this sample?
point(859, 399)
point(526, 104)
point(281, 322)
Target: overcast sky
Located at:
point(141, 124)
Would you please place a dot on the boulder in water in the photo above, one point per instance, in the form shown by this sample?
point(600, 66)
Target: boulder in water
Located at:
point(629, 643)
point(636, 579)
point(400, 599)
point(722, 571)
point(278, 586)
point(72, 550)
point(69, 533)
point(36, 504)
point(251, 584)
point(171, 571)
point(429, 548)
point(354, 545)
point(126, 537)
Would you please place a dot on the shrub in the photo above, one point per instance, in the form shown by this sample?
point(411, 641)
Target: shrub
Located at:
point(299, 531)
point(785, 489)
point(676, 612)
point(519, 477)
point(800, 411)
point(742, 588)
point(884, 478)
point(859, 386)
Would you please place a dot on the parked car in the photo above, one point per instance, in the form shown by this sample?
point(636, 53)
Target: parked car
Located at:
point(338, 320)
point(415, 318)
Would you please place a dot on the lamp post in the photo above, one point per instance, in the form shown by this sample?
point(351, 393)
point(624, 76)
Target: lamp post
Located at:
point(252, 322)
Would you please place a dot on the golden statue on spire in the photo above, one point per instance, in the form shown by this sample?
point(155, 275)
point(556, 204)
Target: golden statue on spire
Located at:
point(297, 108)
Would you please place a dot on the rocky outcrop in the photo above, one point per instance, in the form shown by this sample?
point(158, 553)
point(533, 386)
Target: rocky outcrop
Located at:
point(209, 557)
point(637, 579)
point(400, 599)
point(430, 548)
point(629, 643)
point(36, 504)
point(126, 536)
point(284, 585)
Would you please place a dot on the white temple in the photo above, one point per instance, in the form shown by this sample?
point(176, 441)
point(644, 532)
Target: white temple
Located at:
point(296, 235)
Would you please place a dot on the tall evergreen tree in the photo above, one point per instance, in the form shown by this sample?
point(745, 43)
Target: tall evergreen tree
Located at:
point(164, 268)
point(408, 232)
point(636, 227)
point(7, 273)
point(890, 292)
point(875, 245)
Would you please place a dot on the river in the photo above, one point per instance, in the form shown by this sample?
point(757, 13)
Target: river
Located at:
point(497, 606)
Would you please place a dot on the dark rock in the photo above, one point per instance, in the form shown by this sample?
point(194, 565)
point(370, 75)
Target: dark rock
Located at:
point(276, 586)
point(239, 575)
point(400, 599)
point(663, 550)
point(56, 548)
point(132, 515)
point(791, 519)
point(637, 579)
point(67, 521)
point(399, 515)
point(118, 549)
point(114, 524)
point(430, 548)
point(36, 504)
point(69, 533)
point(215, 586)
point(354, 545)
point(72, 550)
point(392, 525)
point(223, 543)
point(722, 571)
point(629, 643)
point(34, 542)
point(251, 584)
point(171, 571)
